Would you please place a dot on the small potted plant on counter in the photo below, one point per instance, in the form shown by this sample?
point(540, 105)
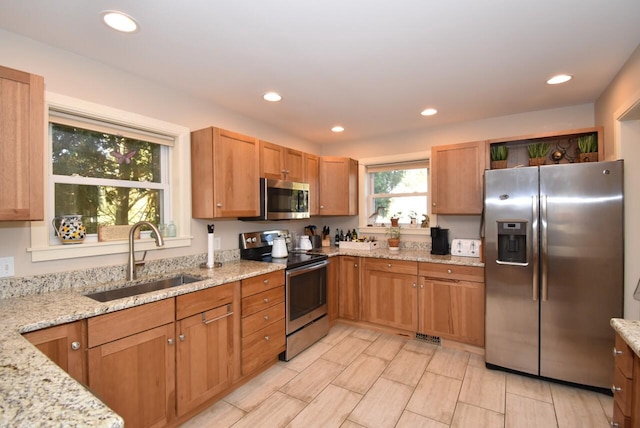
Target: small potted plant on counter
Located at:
point(393, 239)
point(395, 219)
point(499, 155)
point(413, 216)
point(538, 153)
point(588, 146)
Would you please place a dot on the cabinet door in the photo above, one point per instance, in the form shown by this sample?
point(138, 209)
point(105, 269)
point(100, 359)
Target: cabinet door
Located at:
point(456, 178)
point(333, 280)
point(338, 186)
point(390, 299)
point(434, 307)
point(294, 165)
point(135, 376)
point(312, 170)
point(467, 312)
point(349, 288)
point(65, 345)
point(204, 356)
point(272, 161)
point(21, 145)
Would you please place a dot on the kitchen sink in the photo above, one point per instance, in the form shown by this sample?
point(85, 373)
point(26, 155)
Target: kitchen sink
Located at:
point(145, 287)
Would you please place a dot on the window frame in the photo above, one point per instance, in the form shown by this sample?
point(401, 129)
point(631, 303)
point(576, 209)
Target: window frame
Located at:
point(179, 183)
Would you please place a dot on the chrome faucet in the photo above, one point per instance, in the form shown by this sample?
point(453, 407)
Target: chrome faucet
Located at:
point(131, 266)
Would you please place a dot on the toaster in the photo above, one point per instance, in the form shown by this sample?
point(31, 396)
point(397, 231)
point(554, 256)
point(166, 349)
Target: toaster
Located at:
point(466, 247)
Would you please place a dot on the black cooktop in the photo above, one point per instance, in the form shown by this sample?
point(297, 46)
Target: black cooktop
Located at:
point(257, 246)
point(294, 260)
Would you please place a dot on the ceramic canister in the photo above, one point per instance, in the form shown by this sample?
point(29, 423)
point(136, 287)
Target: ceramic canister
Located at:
point(71, 230)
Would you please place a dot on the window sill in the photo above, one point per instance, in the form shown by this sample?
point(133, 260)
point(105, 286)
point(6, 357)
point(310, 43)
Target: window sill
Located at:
point(404, 228)
point(88, 249)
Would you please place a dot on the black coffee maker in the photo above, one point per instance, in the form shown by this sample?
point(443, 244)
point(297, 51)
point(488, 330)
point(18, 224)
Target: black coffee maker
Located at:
point(439, 241)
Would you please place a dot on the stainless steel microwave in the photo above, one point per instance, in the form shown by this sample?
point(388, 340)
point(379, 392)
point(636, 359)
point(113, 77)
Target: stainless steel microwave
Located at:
point(282, 200)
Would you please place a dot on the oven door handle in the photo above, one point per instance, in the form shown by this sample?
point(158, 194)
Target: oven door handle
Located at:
point(307, 268)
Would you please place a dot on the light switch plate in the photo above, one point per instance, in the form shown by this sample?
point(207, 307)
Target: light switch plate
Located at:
point(6, 267)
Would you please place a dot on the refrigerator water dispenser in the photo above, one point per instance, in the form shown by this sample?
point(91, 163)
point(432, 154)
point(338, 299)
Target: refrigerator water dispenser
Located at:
point(512, 241)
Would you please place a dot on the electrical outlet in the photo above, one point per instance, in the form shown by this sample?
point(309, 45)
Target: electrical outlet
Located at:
point(6, 267)
point(216, 243)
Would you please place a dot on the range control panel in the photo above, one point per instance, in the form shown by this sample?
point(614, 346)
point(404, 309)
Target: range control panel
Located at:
point(465, 247)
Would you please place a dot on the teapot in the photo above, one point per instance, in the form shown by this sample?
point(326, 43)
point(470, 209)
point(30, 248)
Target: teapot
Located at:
point(305, 242)
point(71, 230)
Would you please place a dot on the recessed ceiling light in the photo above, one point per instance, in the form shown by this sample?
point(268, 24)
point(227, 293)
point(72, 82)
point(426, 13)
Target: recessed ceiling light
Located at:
point(272, 96)
point(429, 112)
point(560, 78)
point(337, 128)
point(119, 21)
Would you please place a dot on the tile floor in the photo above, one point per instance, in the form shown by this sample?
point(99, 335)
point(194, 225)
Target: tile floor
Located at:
point(357, 378)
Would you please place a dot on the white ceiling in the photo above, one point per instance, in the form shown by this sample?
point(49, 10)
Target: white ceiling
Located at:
point(369, 65)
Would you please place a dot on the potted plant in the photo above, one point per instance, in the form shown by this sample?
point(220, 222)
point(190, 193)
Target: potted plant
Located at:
point(413, 218)
point(538, 153)
point(499, 155)
point(588, 146)
point(393, 234)
point(395, 219)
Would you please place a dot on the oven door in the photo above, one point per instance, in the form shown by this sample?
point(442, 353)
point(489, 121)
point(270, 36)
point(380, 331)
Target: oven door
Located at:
point(306, 298)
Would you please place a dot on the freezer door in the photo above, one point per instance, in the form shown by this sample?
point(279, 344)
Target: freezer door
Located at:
point(583, 264)
point(511, 330)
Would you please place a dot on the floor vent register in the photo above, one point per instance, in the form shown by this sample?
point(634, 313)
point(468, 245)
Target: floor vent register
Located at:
point(428, 338)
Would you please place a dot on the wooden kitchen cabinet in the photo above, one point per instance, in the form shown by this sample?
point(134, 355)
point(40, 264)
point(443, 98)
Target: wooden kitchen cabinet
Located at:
point(312, 171)
point(626, 387)
point(349, 288)
point(263, 323)
point(452, 302)
point(225, 171)
point(338, 178)
point(456, 178)
point(21, 145)
point(65, 345)
point(333, 281)
point(205, 360)
point(281, 163)
point(131, 360)
point(390, 293)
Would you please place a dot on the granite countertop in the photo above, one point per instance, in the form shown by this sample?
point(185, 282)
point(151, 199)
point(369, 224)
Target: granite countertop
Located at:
point(629, 330)
point(414, 255)
point(36, 392)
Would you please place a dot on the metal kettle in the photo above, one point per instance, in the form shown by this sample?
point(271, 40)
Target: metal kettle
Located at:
point(279, 248)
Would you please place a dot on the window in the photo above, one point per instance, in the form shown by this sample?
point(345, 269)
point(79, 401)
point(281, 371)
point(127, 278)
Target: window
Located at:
point(397, 190)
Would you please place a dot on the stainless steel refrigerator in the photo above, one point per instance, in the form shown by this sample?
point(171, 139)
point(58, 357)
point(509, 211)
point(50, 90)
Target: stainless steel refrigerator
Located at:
point(554, 269)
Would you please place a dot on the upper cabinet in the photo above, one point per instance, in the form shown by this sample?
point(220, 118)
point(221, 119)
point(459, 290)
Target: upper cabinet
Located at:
point(281, 163)
point(224, 174)
point(338, 186)
point(21, 145)
point(456, 178)
point(312, 176)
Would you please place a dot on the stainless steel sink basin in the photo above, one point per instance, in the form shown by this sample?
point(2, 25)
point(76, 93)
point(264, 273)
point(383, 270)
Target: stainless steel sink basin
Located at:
point(146, 287)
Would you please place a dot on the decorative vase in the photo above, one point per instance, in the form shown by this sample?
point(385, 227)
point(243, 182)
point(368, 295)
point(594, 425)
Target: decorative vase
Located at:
point(588, 157)
point(500, 164)
point(537, 161)
point(71, 230)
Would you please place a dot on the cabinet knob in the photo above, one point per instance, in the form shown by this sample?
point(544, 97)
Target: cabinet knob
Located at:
point(219, 205)
point(266, 300)
point(321, 206)
point(266, 317)
point(355, 265)
point(75, 345)
point(170, 341)
point(613, 424)
point(414, 285)
point(182, 337)
point(389, 265)
point(421, 285)
point(615, 389)
point(266, 281)
point(449, 271)
point(267, 338)
point(433, 203)
point(616, 353)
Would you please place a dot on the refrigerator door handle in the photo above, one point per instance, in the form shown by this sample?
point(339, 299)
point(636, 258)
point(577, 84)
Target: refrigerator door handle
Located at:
point(511, 263)
point(534, 233)
point(543, 246)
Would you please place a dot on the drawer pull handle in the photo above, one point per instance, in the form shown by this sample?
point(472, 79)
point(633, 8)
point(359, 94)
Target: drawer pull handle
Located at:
point(389, 265)
point(267, 338)
point(266, 317)
point(266, 300)
point(615, 389)
point(75, 345)
point(266, 281)
point(616, 353)
point(206, 321)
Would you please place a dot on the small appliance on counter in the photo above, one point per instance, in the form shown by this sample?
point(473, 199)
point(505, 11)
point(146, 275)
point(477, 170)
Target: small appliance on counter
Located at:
point(466, 247)
point(439, 241)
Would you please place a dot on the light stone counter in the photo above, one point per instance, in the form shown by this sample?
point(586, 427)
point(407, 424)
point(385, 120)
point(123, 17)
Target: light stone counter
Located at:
point(410, 254)
point(629, 330)
point(36, 392)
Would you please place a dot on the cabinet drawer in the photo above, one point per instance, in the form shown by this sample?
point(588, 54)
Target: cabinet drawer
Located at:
point(116, 325)
point(260, 301)
point(261, 319)
point(203, 300)
point(262, 283)
point(263, 346)
point(623, 357)
point(622, 397)
point(388, 265)
point(619, 418)
point(445, 271)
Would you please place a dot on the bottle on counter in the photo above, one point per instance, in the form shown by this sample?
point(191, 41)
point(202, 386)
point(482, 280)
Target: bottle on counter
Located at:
point(337, 238)
point(354, 235)
point(348, 236)
point(341, 235)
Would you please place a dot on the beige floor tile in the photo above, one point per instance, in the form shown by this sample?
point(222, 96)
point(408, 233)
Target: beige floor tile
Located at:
point(523, 412)
point(476, 360)
point(420, 347)
point(386, 346)
point(349, 424)
point(468, 416)
point(361, 374)
point(607, 405)
point(529, 387)
point(308, 356)
point(414, 420)
point(258, 389)
point(220, 415)
point(407, 367)
point(363, 334)
point(329, 409)
point(311, 381)
point(449, 362)
point(346, 351)
point(484, 388)
point(337, 333)
point(276, 411)
point(577, 407)
point(435, 397)
point(382, 405)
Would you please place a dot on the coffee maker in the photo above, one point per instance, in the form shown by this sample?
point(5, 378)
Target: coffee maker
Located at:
point(439, 241)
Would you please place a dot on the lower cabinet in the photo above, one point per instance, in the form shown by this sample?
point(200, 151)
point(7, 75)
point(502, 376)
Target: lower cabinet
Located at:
point(349, 288)
point(131, 361)
point(65, 345)
point(626, 386)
